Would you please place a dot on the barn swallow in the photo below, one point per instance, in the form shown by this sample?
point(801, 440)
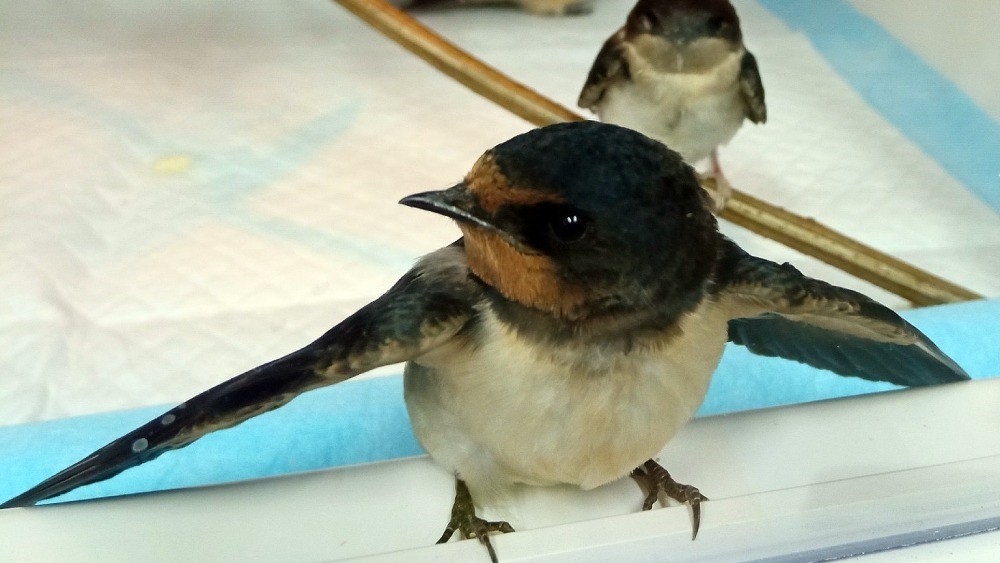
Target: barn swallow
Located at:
point(568, 334)
point(678, 71)
point(540, 7)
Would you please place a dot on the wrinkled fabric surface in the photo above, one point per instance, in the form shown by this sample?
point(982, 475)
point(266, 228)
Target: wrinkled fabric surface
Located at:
point(191, 189)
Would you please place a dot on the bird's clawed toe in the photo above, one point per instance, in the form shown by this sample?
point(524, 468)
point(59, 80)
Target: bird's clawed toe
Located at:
point(654, 479)
point(465, 522)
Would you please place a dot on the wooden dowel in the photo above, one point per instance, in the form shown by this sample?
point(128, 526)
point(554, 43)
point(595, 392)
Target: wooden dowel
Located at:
point(801, 233)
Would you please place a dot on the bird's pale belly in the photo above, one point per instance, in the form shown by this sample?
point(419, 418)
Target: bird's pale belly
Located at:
point(510, 411)
point(691, 128)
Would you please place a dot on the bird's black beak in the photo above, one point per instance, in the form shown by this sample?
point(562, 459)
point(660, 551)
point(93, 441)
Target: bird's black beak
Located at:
point(456, 202)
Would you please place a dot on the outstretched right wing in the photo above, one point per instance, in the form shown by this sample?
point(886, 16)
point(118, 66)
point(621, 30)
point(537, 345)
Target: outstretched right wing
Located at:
point(425, 308)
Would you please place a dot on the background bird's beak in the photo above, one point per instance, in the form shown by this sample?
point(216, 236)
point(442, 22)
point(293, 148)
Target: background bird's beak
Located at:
point(456, 202)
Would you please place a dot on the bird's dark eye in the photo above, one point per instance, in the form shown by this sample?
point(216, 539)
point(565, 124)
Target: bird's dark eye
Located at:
point(568, 226)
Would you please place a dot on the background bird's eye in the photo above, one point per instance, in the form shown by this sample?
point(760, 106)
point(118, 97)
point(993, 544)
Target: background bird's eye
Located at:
point(647, 21)
point(568, 226)
point(715, 24)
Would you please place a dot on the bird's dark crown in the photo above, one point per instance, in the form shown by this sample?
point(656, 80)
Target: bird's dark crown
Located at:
point(585, 219)
point(684, 21)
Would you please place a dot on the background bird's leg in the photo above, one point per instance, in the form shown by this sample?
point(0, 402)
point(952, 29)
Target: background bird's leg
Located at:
point(465, 521)
point(653, 478)
point(723, 189)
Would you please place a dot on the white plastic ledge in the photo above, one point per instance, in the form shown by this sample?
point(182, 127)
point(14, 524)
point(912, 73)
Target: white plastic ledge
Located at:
point(806, 482)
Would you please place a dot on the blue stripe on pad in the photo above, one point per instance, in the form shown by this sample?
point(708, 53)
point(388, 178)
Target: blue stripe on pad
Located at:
point(925, 106)
point(364, 421)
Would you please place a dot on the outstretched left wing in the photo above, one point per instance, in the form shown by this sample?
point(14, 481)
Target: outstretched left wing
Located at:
point(780, 312)
point(425, 308)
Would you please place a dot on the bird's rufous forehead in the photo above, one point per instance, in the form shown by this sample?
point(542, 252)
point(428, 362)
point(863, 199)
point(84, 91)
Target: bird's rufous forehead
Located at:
point(493, 190)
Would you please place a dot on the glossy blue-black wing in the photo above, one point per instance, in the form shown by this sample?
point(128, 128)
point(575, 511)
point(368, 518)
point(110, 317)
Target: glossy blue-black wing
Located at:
point(428, 306)
point(780, 312)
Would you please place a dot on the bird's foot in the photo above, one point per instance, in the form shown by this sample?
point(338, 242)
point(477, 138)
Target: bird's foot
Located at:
point(653, 479)
point(719, 191)
point(723, 189)
point(723, 193)
point(557, 7)
point(582, 8)
point(465, 521)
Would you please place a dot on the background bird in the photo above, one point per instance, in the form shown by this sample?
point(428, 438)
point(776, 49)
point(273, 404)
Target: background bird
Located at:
point(567, 336)
point(678, 72)
point(540, 7)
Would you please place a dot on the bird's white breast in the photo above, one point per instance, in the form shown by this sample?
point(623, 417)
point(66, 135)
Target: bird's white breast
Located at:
point(690, 112)
point(507, 410)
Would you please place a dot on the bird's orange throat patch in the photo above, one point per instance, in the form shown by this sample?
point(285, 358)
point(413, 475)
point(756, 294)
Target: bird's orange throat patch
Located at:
point(529, 279)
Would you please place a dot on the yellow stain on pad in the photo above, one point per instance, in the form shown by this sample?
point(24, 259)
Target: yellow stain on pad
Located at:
point(172, 164)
